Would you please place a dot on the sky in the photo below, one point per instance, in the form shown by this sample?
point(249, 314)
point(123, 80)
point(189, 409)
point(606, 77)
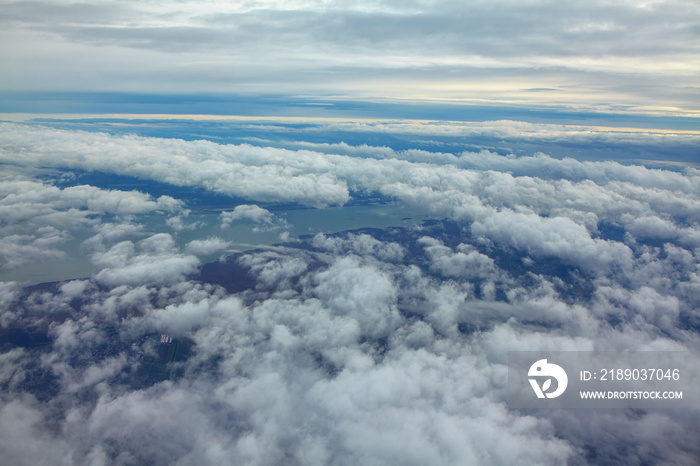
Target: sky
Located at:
point(625, 56)
point(312, 232)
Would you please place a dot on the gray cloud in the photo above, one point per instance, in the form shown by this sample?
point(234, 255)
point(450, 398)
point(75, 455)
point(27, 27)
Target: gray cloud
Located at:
point(452, 27)
point(580, 49)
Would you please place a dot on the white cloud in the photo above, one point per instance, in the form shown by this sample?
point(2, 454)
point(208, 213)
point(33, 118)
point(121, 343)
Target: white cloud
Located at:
point(38, 218)
point(352, 348)
point(157, 261)
point(17, 250)
point(505, 130)
point(366, 355)
point(110, 232)
point(361, 244)
point(559, 203)
point(585, 191)
point(251, 213)
point(466, 262)
point(361, 292)
point(273, 269)
point(264, 174)
point(203, 247)
point(113, 231)
point(24, 439)
point(28, 199)
point(651, 227)
point(177, 224)
point(557, 237)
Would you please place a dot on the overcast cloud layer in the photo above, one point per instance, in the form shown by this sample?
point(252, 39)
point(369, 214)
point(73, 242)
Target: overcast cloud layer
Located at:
point(614, 56)
point(372, 347)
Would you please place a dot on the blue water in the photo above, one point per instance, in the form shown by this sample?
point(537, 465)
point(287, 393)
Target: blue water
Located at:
point(242, 237)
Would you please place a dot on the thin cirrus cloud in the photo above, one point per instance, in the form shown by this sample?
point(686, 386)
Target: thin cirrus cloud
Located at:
point(622, 56)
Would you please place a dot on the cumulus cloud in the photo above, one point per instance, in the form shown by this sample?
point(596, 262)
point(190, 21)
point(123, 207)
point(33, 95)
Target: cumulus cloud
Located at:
point(37, 219)
point(557, 237)
point(252, 213)
point(154, 259)
point(275, 270)
point(361, 349)
point(264, 174)
point(362, 292)
point(377, 359)
point(467, 262)
point(203, 247)
point(18, 250)
point(177, 223)
point(377, 346)
point(362, 244)
point(110, 232)
point(593, 191)
point(23, 200)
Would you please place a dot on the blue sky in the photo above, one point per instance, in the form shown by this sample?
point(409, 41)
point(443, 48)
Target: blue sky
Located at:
point(621, 57)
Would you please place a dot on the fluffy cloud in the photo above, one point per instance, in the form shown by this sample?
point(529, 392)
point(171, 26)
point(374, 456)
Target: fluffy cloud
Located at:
point(156, 260)
point(341, 356)
point(362, 360)
point(203, 247)
point(557, 237)
point(361, 292)
point(362, 244)
point(252, 213)
point(372, 346)
point(26, 249)
point(539, 183)
point(28, 199)
point(263, 174)
point(37, 218)
point(467, 262)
